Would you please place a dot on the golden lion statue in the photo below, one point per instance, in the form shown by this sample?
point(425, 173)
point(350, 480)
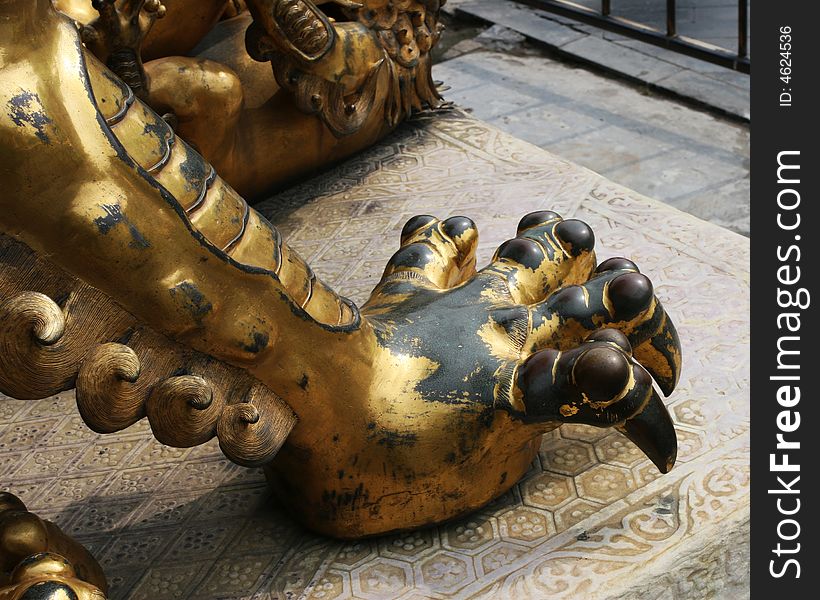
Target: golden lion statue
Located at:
point(134, 272)
point(277, 95)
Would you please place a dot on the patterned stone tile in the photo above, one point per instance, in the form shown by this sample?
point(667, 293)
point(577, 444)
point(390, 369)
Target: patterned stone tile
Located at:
point(44, 462)
point(410, 545)
point(235, 501)
point(573, 513)
point(10, 412)
point(151, 452)
point(503, 503)
point(470, 534)
point(614, 449)
point(691, 413)
point(138, 481)
point(185, 523)
point(584, 433)
point(305, 569)
point(166, 511)
point(547, 490)
point(566, 456)
point(10, 461)
point(78, 488)
point(354, 553)
point(198, 475)
point(202, 538)
point(382, 579)
point(103, 455)
point(61, 404)
point(97, 516)
point(526, 525)
point(122, 578)
point(445, 572)
point(500, 555)
point(72, 431)
point(28, 434)
point(232, 576)
point(171, 581)
point(138, 548)
point(690, 444)
point(604, 483)
point(266, 532)
point(330, 586)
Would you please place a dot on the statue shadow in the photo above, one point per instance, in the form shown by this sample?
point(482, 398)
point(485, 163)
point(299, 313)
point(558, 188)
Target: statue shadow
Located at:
point(344, 175)
point(233, 540)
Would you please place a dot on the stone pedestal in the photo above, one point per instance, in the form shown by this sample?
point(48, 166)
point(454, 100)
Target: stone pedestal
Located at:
point(592, 518)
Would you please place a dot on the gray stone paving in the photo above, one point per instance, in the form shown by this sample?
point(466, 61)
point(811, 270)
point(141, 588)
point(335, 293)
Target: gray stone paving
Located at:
point(713, 21)
point(688, 158)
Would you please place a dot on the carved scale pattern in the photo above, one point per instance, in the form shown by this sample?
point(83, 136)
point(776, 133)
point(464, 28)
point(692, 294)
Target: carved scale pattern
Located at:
point(212, 206)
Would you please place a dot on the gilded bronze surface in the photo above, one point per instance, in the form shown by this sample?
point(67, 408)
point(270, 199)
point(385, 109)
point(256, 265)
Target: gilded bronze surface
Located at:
point(424, 404)
point(122, 370)
point(37, 560)
point(275, 95)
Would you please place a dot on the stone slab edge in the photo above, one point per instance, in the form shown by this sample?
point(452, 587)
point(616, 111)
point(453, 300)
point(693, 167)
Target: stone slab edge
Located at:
point(624, 61)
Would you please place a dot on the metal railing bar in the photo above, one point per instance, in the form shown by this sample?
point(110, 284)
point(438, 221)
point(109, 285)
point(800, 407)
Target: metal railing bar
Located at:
point(681, 44)
point(742, 29)
point(671, 18)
